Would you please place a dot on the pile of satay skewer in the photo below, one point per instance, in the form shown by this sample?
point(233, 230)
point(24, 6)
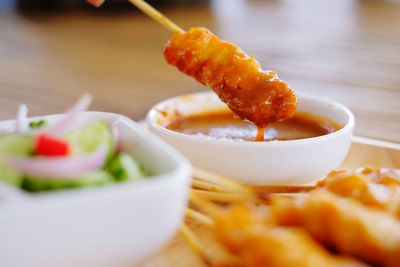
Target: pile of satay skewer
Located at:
point(349, 218)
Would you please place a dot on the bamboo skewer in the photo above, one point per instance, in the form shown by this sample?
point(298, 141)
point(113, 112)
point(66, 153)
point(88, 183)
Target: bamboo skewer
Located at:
point(199, 217)
point(149, 11)
point(204, 185)
point(269, 189)
point(205, 205)
point(285, 188)
point(195, 244)
point(156, 15)
point(217, 188)
point(225, 197)
point(199, 249)
point(228, 258)
point(213, 186)
point(219, 180)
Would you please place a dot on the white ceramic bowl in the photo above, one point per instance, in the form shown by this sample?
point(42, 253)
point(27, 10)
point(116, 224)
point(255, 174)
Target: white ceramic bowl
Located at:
point(115, 225)
point(258, 163)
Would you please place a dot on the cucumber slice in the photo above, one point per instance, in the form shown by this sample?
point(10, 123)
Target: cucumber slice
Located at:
point(14, 145)
point(96, 178)
point(89, 138)
point(124, 167)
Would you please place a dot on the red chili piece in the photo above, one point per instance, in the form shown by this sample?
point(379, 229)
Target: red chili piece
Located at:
point(49, 146)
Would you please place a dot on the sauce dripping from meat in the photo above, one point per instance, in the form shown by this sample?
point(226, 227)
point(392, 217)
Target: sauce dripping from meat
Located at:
point(260, 134)
point(223, 124)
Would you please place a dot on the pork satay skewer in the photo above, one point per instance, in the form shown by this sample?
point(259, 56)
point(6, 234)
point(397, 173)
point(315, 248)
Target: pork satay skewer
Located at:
point(257, 241)
point(365, 189)
point(238, 80)
point(251, 93)
point(344, 224)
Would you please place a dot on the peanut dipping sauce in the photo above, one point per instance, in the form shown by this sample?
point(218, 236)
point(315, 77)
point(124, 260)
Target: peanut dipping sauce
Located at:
point(223, 124)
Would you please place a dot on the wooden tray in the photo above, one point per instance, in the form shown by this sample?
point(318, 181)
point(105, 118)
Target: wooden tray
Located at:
point(363, 152)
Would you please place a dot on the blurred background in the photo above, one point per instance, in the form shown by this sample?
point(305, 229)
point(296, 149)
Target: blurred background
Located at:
point(52, 51)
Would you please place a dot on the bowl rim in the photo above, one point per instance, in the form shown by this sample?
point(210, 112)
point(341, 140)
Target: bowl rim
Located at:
point(183, 166)
point(349, 126)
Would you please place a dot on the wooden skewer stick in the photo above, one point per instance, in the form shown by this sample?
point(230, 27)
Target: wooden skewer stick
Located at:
point(199, 184)
point(205, 205)
point(214, 182)
point(215, 187)
point(219, 180)
point(156, 15)
point(284, 188)
point(225, 197)
point(199, 217)
point(190, 237)
point(195, 244)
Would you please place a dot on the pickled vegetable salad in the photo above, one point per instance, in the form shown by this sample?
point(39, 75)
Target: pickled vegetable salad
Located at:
point(38, 156)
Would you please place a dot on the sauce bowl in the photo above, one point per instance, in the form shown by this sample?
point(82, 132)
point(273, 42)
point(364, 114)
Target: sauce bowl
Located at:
point(291, 162)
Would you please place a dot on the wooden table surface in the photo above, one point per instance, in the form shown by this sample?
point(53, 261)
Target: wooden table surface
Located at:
point(344, 50)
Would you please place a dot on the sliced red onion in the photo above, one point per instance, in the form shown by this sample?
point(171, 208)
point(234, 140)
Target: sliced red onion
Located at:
point(21, 122)
point(60, 128)
point(60, 167)
point(116, 135)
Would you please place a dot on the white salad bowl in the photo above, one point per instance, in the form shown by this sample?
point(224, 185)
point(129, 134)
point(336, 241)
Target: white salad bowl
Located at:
point(258, 163)
point(111, 225)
